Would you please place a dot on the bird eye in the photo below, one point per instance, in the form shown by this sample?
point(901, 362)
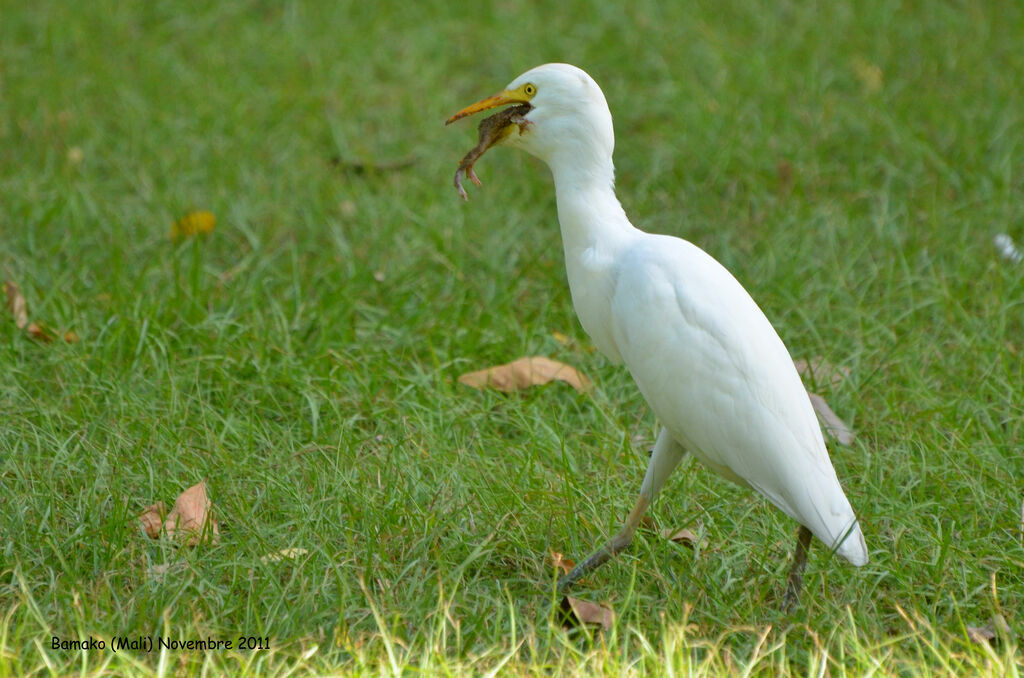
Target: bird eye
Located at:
point(529, 90)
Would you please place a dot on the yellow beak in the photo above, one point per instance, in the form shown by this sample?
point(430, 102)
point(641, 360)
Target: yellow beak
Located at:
point(500, 99)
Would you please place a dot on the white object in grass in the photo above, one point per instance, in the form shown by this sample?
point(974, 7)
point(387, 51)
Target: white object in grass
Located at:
point(1007, 248)
point(703, 354)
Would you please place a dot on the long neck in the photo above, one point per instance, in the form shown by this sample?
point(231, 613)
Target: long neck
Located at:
point(590, 215)
point(594, 232)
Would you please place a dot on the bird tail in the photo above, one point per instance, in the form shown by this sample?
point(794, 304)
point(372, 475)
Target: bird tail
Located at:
point(851, 545)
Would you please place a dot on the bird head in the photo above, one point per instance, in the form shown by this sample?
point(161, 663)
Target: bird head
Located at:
point(568, 116)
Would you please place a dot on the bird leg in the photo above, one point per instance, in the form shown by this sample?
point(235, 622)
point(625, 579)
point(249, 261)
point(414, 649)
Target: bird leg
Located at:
point(666, 456)
point(613, 546)
point(796, 573)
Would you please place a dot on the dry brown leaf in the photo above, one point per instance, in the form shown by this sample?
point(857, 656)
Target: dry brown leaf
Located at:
point(648, 523)
point(16, 304)
point(830, 421)
point(579, 612)
point(39, 333)
point(981, 635)
point(157, 572)
point(990, 632)
point(820, 372)
point(190, 520)
point(284, 554)
point(153, 519)
point(683, 536)
point(562, 563)
point(19, 310)
point(524, 373)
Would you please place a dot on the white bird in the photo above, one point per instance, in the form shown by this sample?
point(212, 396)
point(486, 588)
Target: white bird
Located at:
point(705, 357)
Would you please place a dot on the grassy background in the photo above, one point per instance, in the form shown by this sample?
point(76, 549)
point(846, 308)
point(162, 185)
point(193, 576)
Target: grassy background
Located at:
point(850, 163)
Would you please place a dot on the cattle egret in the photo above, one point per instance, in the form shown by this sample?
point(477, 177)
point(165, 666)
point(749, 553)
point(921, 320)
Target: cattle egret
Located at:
point(705, 357)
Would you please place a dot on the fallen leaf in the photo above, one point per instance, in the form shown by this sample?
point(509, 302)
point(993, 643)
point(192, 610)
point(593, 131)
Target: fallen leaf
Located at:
point(830, 421)
point(153, 519)
point(579, 612)
point(981, 635)
point(562, 563)
point(990, 632)
point(16, 304)
point(683, 536)
point(39, 333)
point(190, 520)
point(525, 372)
point(821, 372)
point(71, 336)
point(193, 223)
point(284, 554)
point(157, 572)
point(870, 75)
point(648, 523)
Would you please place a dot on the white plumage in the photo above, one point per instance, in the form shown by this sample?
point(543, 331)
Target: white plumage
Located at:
point(703, 354)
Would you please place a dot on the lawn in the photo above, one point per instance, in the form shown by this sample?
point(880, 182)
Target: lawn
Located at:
point(850, 163)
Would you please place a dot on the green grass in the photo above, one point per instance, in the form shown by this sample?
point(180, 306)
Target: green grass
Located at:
point(302, 357)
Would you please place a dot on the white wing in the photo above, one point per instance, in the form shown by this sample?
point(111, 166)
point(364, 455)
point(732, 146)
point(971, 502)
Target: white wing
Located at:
point(718, 377)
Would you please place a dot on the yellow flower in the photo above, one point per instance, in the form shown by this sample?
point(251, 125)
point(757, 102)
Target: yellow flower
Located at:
point(192, 224)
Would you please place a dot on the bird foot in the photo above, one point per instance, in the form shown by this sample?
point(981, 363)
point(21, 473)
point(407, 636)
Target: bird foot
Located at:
point(593, 561)
point(613, 547)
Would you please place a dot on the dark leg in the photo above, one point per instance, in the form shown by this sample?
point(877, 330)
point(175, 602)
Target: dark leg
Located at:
point(616, 544)
point(796, 574)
